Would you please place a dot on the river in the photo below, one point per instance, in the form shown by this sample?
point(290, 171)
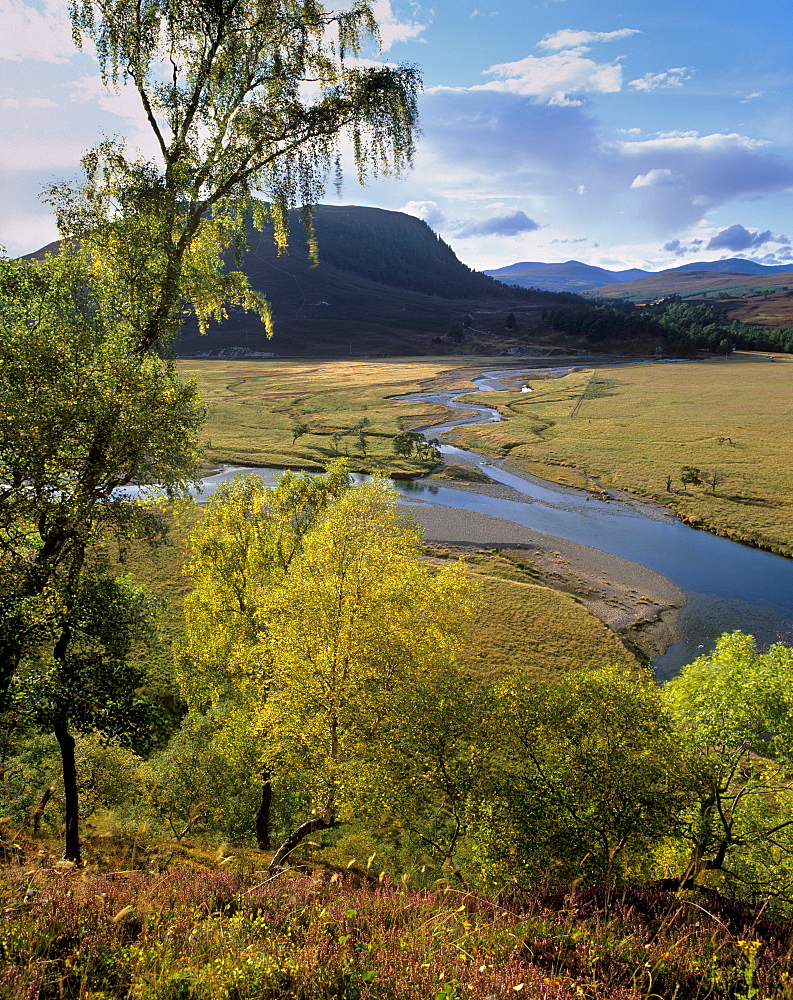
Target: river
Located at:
point(728, 586)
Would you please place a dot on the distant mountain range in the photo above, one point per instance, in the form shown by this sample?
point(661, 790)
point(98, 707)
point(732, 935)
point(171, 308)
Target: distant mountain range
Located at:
point(574, 276)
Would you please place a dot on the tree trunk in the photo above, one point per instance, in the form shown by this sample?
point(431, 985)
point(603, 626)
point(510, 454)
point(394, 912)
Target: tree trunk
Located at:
point(263, 814)
point(294, 838)
point(38, 812)
point(71, 850)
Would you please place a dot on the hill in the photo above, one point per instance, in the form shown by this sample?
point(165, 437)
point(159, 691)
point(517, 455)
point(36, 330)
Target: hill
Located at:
point(571, 276)
point(761, 299)
point(385, 284)
point(697, 284)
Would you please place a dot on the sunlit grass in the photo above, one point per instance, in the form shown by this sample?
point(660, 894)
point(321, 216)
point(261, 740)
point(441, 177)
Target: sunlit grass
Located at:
point(525, 625)
point(631, 427)
point(253, 407)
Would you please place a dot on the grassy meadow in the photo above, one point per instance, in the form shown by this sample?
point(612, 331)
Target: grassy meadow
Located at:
point(253, 407)
point(525, 624)
point(631, 427)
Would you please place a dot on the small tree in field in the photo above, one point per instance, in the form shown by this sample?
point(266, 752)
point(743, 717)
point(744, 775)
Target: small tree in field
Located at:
point(714, 479)
point(689, 474)
point(299, 430)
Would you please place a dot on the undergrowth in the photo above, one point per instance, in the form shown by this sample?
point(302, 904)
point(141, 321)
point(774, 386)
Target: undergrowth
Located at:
point(198, 934)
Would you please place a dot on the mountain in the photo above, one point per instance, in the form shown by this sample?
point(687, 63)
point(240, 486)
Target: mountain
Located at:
point(571, 276)
point(385, 284)
point(733, 265)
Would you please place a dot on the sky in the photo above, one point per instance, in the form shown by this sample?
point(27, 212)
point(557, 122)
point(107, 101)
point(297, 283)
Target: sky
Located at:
point(636, 134)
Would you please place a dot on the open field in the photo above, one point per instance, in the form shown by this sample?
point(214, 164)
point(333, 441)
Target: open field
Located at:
point(628, 428)
point(253, 406)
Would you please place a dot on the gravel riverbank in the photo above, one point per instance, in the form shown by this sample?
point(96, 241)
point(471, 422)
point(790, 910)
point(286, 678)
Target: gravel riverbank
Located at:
point(633, 601)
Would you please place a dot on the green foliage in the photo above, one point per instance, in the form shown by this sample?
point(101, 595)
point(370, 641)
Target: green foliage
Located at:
point(356, 618)
point(593, 775)
point(432, 767)
point(246, 542)
point(690, 474)
point(193, 788)
point(93, 684)
point(81, 418)
point(683, 328)
point(405, 443)
point(735, 708)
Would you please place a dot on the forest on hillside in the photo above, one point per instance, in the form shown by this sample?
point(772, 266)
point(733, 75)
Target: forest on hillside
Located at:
point(682, 328)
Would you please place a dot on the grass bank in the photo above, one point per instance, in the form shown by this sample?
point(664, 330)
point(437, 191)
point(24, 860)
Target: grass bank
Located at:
point(631, 428)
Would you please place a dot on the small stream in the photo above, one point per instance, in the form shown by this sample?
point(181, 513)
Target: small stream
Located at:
point(728, 586)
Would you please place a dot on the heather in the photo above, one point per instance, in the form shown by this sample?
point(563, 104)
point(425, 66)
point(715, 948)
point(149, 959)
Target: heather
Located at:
point(194, 933)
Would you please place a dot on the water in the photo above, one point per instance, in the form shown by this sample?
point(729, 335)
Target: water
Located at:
point(728, 586)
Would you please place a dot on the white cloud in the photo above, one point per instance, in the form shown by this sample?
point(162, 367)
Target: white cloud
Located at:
point(567, 38)
point(479, 144)
point(429, 211)
point(31, 33)
point(555, 78)
point(22, 233)
point(662, 81)
point(658, 177)
point(392, 30)
point(124, 103)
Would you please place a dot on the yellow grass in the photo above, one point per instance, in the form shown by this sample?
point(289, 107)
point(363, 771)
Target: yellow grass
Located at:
point(539, 631)
point(631, 427)
point(253, 406)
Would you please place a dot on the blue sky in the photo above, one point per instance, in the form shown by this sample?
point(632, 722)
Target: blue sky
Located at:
point(625, 135)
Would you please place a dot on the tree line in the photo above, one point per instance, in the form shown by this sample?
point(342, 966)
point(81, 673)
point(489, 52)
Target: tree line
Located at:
point(681, 328)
